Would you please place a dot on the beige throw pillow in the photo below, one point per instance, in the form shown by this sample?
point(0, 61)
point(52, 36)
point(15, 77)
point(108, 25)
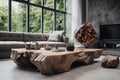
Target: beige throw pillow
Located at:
point(56, 36)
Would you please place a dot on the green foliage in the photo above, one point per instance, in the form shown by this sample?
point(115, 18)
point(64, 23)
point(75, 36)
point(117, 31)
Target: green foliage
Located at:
point(48, 3)
point(19, 17)
point(36, 1)
point(3, 18)
point(48, 21)
point(60, 4)
point(35, 19)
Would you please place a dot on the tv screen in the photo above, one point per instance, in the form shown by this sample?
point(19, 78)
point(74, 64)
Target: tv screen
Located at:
point(111, 31)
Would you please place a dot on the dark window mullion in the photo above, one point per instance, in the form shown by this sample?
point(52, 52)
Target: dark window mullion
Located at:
point(54, 23)
point(42, 17)
point(65, 17)
point(28, 17)
point(9, 15)
point(21, 1)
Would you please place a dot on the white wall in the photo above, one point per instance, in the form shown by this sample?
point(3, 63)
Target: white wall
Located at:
point(76, 19)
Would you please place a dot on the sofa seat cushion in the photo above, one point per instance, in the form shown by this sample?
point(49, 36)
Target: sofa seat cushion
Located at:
point(7, 45)
point(58, 44)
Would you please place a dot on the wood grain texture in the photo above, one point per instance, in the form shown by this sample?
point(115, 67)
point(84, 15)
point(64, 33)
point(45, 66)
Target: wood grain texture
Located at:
point(49, 62)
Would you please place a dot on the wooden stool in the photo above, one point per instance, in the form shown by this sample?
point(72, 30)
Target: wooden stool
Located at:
point(110, 61)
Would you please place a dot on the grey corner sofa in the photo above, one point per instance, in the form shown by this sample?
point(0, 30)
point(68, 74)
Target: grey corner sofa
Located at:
point(9, 40)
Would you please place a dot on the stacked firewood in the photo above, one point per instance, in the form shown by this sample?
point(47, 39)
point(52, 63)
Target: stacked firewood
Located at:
point(86, 34)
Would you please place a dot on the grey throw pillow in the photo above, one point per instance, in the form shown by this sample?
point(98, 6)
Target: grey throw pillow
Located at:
point(56, 36)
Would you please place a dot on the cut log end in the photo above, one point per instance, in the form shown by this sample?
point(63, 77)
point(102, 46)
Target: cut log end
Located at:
point(110, 61)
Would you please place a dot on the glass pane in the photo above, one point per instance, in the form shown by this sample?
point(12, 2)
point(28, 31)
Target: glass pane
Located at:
point(59, 21)
point(60, 4)
point(3, 15)
point(35, 19)
point(48, 21)
point(18, 17)
point(48, 3)
point(36, 2)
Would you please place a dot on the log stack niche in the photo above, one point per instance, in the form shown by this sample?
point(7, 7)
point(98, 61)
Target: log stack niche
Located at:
point(86, 34)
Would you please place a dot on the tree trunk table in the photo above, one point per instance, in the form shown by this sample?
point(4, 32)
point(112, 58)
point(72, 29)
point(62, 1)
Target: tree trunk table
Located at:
point(49, 62)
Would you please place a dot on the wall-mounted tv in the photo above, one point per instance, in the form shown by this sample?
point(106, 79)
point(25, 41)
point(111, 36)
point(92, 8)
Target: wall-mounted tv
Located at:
point(110, 32)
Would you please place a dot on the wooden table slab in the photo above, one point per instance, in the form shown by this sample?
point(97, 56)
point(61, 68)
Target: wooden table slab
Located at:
point(49, 62)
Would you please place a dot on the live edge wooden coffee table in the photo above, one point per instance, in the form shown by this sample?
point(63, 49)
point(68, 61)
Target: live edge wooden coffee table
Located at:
point(49, 62)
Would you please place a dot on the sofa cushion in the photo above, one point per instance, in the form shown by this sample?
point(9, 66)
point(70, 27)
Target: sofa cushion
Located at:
point(11, 36)
point(56, 36)
point(7, 45)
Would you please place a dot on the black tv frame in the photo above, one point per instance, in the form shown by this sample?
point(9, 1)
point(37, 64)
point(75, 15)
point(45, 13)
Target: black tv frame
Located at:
point(109, 38)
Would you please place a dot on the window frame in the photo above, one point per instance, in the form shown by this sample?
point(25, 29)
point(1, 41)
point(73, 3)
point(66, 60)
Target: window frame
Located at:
point(27, 2)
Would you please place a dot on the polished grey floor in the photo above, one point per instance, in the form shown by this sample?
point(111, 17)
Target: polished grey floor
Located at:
point(115, 52)
point(10, 71)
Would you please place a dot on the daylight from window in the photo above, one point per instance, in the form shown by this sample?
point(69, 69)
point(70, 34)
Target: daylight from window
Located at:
point(41, 16)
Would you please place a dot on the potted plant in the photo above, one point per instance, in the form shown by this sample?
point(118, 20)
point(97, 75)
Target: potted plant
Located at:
point(70, 46)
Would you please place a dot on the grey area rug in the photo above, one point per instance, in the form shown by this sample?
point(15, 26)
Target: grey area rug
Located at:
point(115, 52)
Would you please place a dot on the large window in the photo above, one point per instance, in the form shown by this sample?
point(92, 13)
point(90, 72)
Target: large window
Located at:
point(35, 19)
point(59, 21)
point(42, 16)
point(48, 21)
point(3, 15)
point(18, 20)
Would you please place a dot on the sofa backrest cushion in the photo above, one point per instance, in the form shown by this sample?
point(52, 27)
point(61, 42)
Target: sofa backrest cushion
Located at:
point(56, 36)
point(35, 37)
point(11, 36)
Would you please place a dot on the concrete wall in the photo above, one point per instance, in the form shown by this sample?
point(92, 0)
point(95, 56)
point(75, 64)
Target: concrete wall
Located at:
point(101, 12)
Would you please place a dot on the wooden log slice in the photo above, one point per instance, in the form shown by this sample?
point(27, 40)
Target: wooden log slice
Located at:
point(110, 61)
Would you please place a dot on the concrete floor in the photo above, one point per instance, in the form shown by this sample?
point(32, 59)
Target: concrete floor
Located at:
point(10, 71)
